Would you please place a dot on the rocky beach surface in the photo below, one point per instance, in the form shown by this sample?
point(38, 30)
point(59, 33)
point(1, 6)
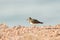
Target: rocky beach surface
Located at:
point(29, 33)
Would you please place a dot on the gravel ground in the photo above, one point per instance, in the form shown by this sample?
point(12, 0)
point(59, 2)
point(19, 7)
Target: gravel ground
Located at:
point(30, 33)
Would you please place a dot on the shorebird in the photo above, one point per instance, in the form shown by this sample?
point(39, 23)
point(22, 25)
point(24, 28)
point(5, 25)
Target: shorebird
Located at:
point(34, 21)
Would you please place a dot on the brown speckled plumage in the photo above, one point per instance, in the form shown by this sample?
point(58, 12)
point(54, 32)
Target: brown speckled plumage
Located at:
point(34, 21)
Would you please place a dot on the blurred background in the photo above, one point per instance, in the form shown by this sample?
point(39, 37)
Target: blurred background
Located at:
point(16, 12)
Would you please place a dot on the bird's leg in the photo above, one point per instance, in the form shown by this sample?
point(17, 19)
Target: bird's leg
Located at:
point(33, 25)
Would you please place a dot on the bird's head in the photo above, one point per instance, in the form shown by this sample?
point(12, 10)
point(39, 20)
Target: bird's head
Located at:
point(29, 18)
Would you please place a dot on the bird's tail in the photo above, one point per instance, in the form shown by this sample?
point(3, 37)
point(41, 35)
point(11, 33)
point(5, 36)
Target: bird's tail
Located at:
point(41, 22)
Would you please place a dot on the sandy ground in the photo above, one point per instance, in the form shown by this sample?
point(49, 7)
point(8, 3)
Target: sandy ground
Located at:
point(29, 33)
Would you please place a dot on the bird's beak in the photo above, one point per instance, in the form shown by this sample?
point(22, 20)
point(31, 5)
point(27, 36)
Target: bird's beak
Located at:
point(27, 19)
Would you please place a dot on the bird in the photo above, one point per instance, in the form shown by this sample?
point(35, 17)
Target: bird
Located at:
point(34, 21)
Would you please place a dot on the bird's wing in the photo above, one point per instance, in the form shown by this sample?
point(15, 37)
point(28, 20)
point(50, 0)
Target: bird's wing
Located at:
point(35, 21)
